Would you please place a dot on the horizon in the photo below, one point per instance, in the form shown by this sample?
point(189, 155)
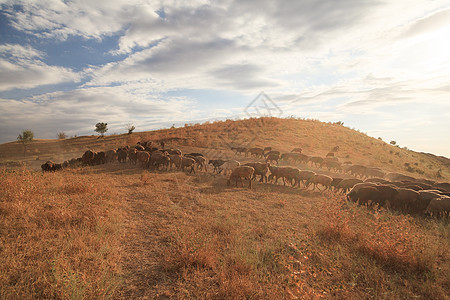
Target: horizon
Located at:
point(382, 68)
point(211, 121)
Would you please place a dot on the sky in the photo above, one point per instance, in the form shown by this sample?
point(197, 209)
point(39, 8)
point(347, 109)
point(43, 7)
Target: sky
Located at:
point(382, 67)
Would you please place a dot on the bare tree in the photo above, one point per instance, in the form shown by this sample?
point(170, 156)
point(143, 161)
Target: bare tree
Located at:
point(130, 127)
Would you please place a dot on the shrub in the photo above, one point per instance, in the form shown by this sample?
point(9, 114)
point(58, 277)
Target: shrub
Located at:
point(61, 135)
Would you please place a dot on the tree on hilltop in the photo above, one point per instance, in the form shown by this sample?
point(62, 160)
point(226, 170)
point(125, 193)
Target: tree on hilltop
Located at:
point(101, 128)
point(130, 127)
point(25, 138)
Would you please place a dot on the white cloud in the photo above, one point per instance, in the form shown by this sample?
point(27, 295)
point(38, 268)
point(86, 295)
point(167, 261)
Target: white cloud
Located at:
point(77, 111)
point(330, 59)
point(21, 68)
point(31, 74)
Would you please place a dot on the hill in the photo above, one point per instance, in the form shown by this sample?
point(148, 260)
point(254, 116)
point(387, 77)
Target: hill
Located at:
point(119, 231)
point(314, 137)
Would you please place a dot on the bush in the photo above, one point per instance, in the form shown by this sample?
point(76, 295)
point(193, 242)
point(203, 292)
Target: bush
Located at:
point(61, 135)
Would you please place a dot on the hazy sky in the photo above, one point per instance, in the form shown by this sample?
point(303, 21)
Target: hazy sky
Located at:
point(382, 67)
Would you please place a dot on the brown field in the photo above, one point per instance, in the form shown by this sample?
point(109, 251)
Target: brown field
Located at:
point(118, 231)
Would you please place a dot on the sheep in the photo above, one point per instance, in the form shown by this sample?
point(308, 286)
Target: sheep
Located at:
point(335, 182)
point(298, 150)
point(297, 157)
point(132, 155)
point(111, 156)
point(99, 158)
point(320, 179)
point(200, 161)
point(175, 160)
point(261, 169)
point(302, 158)
point(143, 157)
point(216, 163)
point(276, 173)
point(405, 200)
point(139, 148)
point(240, 150)
point(292, 175)
point(303, 176)
point(439, 206)
point(88, 157)
point(240, 172)
point(73, 162)
point(273, 157)
point(162, 160)
point(122, 155)
point(388, 193)
point(287, 173)
point(357, 170)
point(257, 152)
point(189, 163)
point(347, 184)
point(333, 165)
point(366, 195)
point(65, 164)
point(48, 166)
point(154, 156)
point(316, 161)
point(229, 166)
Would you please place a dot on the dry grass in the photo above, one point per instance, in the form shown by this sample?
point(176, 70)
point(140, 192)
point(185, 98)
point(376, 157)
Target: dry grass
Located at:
point(135, 234)
point(58, 236)
point(392, 256)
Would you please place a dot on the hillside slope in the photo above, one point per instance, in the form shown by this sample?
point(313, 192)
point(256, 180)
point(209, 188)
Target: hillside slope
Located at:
point(314, 137)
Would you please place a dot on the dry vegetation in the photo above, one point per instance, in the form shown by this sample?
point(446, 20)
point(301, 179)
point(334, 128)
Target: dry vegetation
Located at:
point(116, 231)
point(58, 235)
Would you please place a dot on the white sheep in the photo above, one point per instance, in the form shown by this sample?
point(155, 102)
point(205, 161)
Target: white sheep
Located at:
point(229, 166)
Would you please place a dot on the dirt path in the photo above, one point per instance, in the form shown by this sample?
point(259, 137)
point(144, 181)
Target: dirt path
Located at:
point(151, 222)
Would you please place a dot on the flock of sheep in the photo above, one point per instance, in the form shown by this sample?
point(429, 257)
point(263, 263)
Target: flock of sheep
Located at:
point(368, 185)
